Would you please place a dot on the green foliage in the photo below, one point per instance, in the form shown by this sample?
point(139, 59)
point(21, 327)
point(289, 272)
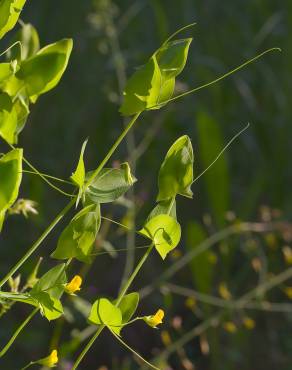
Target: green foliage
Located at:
point(77, 239)
point(29, 41)
point(164, 207)
point(176, 172)
point(128, 306)
point(109, 184)
point(153, 84)
point(78, 177)
point(42, 72)
point(46, 293)
point(104, 312)
point(164, 231)
point(210, 143)
point(9, 13)
point(10, 175)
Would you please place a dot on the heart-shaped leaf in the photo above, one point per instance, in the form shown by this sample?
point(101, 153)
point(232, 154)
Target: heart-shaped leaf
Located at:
point(103, 312)
point(77, 240)
point(128, 306)
point(164, 231)
point(110, 184)
point(176, 172)
point(10, 175)
point(42, 72)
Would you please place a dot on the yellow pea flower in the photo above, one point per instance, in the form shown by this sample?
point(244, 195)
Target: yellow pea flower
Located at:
point(74, 285)
point(155, 320)
point(49, 361)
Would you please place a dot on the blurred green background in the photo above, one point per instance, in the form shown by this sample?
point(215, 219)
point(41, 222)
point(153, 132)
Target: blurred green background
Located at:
point(251, 181)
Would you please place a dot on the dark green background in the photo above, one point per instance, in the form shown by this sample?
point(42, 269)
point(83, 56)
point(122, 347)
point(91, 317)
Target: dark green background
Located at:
point(85, 104)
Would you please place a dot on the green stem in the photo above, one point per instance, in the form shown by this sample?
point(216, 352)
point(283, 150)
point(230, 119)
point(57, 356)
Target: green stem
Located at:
point(70, 204)
point(49, 177)
point(38, 242)
point(121, 295)
point(17, 332)
point(133, 351)
point(112, 149)
point(28, 365)
point(87, 347)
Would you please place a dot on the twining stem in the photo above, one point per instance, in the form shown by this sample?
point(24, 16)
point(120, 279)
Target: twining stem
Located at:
point(121, 295)
point(112, 149)
point(44, 177)
point(34, 247)
point(69, 205)
point(133, 351)
point(18, 330)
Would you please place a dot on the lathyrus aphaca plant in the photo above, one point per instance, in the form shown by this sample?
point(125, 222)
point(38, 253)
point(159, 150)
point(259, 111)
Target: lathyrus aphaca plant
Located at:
point(29, 71)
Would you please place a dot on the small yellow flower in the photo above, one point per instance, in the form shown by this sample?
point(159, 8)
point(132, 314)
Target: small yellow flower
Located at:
point(155, 320)
point(49, 361)
point(74, 285)
point(248, 322)
point(229, 326)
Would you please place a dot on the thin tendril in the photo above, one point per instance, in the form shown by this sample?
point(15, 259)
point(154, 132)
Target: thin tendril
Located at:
point(49, 177)
point(133, 351)
point(221, 152)
point(43, 177)
point(216, 80)
point(179, 31)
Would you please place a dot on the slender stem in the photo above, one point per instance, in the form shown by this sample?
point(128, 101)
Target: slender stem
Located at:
point(134, 274)
point(69, 205)
point(121, 294)
point(87, 347)
point(28, 365)
point(133, 351)
point(49, 177)
point(38, 242)
point(113, 148)
point(36, 171)
point(17, 332)
point(220, 78)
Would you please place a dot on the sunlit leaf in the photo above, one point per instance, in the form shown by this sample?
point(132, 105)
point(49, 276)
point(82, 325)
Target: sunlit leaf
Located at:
point(176, 172)
point(154, 82)
point(9, 14)
point(104, 312)
point(6, 71)
point(8, 118)
point(164, 231)
point(42, 72)
point(142, 89)
point(163, 208)
point(10, 175)
point(30, 43)
point(77, 240)
point(78, 177)
point(128, 306)
point(48, 290)
point(109, 185)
